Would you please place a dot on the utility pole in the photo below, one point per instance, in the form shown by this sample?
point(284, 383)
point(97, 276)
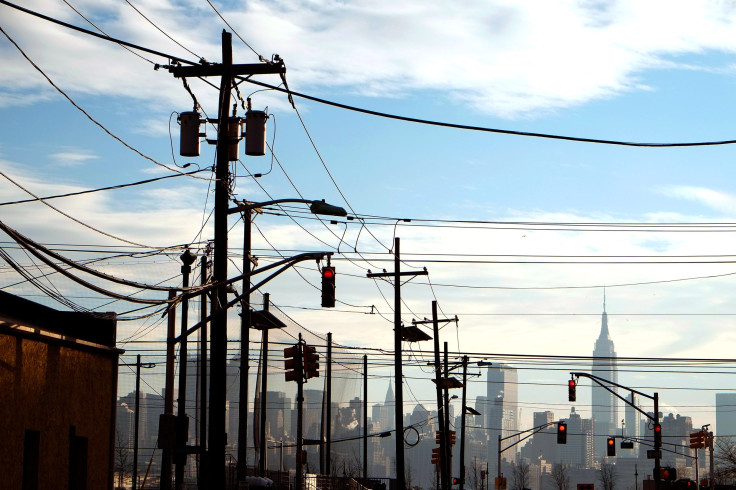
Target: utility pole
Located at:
point(166, 451)
point(398, 366)
point(462, 424)
point(264, 392)
point(245, 323)
point(218, 344)
point(298, 478)
point(138, 367)
point(203, 458)
point(328, 415)
point(446, 433)
point(365, 416)
point(180, 451)
point(444, 452)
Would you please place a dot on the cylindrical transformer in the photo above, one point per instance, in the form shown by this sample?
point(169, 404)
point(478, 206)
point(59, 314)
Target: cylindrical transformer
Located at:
point(189, 134)
point(234, 130)
point(255, 133)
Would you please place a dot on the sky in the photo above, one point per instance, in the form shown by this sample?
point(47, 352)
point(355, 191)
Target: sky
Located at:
point(520, 235)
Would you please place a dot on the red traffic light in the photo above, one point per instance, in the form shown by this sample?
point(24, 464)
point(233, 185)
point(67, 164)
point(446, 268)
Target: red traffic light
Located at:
point(571, 390)
point(328, 272)
point(611, 446)
point(561, 433)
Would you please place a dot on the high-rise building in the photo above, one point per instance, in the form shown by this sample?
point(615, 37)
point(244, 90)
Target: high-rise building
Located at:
point(726, 415)
point(605, 403)
point(501, 410)
point(578, 451)
point(632, 422)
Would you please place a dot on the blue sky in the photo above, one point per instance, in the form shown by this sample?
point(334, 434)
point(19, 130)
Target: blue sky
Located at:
point(660, 72)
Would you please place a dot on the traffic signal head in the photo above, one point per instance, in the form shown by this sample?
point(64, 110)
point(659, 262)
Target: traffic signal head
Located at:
point(657, 429)
point(311, 362)
point(328, 287)
point(611, 446)
point(436, 455)
point(455, 480)
point(292, 363)
point(668, 474)
point(561, 433)
point(571, 390)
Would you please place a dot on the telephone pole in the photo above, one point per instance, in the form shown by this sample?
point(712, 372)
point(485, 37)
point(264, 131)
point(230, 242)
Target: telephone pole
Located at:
point(218, 333)
point(398, 366)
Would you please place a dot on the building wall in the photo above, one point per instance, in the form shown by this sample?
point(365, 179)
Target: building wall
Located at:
point(726, 414)
point(57, 389)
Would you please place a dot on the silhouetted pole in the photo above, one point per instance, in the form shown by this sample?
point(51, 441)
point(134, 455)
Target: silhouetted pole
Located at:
point(180, 455)
point(203, 458)
point(298, 478)
point(365, 416)
point(462, 424)
point(328, 415)
point(137, 411)
point(438, 385)
point(245, 321)
point(264, 391)
point(399, 371)
point(218, 335)
point(446, 434)
point(166, 452)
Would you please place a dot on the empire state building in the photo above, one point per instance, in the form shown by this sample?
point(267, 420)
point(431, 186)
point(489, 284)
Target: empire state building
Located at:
point(605, 404)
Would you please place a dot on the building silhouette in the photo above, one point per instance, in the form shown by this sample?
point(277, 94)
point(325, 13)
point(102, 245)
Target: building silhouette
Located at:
point(605, 403)
point(726, 415)
point(501, 411)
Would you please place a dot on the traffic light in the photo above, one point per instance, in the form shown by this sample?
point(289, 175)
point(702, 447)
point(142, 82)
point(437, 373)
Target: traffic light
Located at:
point(436, 455)
point(657, 435)
point(571, 390)
point(311, 362)
point(292, 363)
point(611, 446)
point(328, 287)
point(452, 438)
point(668, 474)
point(455, 480)
point(561, 433)
point(698, 440)
point(437, 437)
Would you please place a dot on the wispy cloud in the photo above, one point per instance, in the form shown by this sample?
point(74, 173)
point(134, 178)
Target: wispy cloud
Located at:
point(711, 198)
point(73, 158)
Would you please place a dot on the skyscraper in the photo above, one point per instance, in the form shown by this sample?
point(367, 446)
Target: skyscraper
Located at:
point(605, 404)
point(726, 414)
point(502, 410)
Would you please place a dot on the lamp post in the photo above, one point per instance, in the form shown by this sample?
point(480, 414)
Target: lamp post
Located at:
point(247, 208)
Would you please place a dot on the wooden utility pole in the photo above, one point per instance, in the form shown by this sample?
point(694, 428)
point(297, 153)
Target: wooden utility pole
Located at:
point(166, 452)
point(398, 362)
point(218, 343)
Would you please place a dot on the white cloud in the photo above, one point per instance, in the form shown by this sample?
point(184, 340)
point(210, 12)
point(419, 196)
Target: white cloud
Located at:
point(717, 200)
point(505, 58)
point(73, 157)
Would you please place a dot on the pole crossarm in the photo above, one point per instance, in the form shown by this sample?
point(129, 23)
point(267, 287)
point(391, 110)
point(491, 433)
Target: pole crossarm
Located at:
point(439, 320)
point(393, 274)
point(600, 381)
point(287, 263)
point(218, 70)
point(534, 431)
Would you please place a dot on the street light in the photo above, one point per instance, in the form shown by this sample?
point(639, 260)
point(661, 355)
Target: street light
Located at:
point(247, 208)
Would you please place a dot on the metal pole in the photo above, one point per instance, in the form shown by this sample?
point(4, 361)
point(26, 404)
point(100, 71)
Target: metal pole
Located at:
point(264, 391)
point(365, 416)
point(712, 465)
point(446, 434)
point(398, 368)
point(498, 469)
point(218, 353)
point(438, 385)
point(328, 415)
point(137, 411)
point(299, 415)
point(166, 453)
point(203, 459)
point(657, 445)
point(245, 321)
point(180, 455)
point(462, 425)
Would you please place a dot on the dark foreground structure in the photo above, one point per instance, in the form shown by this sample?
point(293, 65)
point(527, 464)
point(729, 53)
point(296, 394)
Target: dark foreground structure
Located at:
point(58, 386)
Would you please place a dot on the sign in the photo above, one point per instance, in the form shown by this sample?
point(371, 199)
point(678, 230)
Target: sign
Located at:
point(499, 483)
point(654, 454)
point(698, 440)
point(585, 486)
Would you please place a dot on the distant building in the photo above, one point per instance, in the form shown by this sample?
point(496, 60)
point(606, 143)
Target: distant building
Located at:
point(579, 450)
point(605, 403)
point(726, 415)
point(501, 411)
point(632, 423)
point(58, 384)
